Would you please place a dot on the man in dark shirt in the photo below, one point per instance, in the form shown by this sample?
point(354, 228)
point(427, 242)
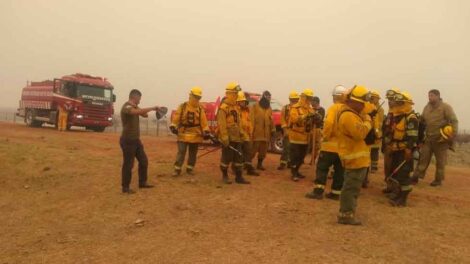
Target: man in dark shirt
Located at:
point(130, 141)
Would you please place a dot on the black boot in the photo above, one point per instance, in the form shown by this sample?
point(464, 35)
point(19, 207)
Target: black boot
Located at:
point(282, 166)
point(400, 199)
point(332, 196)
point(348, 219)
point(225, 175)
point(250, 170)
point(176, 173)
point(436, 183)
point(317, 193)
point(260, 165)
point(295, 174)
point(414, 180)
point(239, 178)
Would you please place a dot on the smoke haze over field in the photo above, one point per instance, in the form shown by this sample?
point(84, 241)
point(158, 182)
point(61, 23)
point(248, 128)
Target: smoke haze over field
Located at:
point(165, 47)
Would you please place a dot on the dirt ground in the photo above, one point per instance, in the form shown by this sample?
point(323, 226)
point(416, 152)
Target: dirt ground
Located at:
point(61, 203)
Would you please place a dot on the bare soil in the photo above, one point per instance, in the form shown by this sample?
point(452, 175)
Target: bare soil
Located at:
point(61, 202)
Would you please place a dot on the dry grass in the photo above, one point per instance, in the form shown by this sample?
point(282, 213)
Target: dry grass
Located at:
point(62, 204)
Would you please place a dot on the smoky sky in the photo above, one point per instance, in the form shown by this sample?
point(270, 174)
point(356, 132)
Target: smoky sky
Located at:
point(163, 48)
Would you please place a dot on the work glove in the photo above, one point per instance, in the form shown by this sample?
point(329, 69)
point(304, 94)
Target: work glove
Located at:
point(174, 130)
point(373, 114)
point(224, 141)
point(206, 135)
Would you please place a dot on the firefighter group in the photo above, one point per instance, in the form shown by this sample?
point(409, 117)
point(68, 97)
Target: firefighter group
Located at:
point(344, 142)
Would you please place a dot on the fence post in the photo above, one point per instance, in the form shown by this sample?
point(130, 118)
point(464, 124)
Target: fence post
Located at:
point(158, 128)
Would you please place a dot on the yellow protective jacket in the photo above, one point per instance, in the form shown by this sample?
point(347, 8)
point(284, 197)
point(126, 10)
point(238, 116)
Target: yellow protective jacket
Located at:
point(191, 121)
point(229, 122)
point(299, 128)
point(262, 123)
point(352, 130)
point(246, 124)
point(402, 129)
point(330, 126)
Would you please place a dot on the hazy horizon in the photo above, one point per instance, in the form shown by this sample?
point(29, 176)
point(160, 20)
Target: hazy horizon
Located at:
point(163, 48)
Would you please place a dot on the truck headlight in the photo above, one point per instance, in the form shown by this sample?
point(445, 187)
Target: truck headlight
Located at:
point(79, 116)
point(110, 119)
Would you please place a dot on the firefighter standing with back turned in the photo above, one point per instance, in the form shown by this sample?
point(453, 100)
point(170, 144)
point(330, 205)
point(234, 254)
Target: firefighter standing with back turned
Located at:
point(285, 156)
point(329, 152)
point(401, 140)
point(247, 128)
point(353, 127)
point(440, 127)
point(190, 124)
point(301, 118)
point(231, 134)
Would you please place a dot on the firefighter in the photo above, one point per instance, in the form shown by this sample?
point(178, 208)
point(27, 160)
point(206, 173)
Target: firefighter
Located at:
point(388, 119)
point(190, 124)
point(440, 125)
point(230, 134)
point(353, 127)
point(263, 128)
point(285, 157)
point(130, 141)
point(247, 128)
point(63, 117)
point(329, 152)
point(317, 133)
point(401, 140)
point(377, 125)
point(301, 119)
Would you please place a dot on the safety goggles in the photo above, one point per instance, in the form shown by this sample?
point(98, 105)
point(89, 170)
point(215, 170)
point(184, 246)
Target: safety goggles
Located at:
point(390, 93)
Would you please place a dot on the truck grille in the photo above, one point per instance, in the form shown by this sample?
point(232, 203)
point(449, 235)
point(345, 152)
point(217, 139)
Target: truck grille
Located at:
point(95, 112)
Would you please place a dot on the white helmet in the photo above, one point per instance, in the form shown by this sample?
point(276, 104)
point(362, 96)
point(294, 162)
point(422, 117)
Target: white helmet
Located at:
point(338, 90)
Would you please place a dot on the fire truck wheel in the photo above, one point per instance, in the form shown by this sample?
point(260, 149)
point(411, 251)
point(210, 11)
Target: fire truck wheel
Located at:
point(277, 143)
point(29, 119)
point(98, 129)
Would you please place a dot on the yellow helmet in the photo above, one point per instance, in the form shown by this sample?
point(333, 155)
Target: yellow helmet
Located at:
point(390, 94)
point(196, 91)
point(241, 96)
point(359, 93)
point(374, 93)
point(307, 92)
point(403, 97)
point(233, 87)
point(293, 95)
point(447, 132)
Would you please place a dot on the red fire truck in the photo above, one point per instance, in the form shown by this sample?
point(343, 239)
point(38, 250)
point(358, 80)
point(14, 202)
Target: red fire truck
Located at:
point(89, 100)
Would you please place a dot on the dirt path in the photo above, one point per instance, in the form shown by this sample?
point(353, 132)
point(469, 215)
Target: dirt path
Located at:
point(62, 204)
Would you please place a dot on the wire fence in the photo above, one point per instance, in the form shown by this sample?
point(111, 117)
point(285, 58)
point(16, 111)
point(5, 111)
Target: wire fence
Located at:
point(148, 126)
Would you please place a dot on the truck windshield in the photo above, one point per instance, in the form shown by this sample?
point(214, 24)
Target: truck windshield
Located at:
point(94, 93)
